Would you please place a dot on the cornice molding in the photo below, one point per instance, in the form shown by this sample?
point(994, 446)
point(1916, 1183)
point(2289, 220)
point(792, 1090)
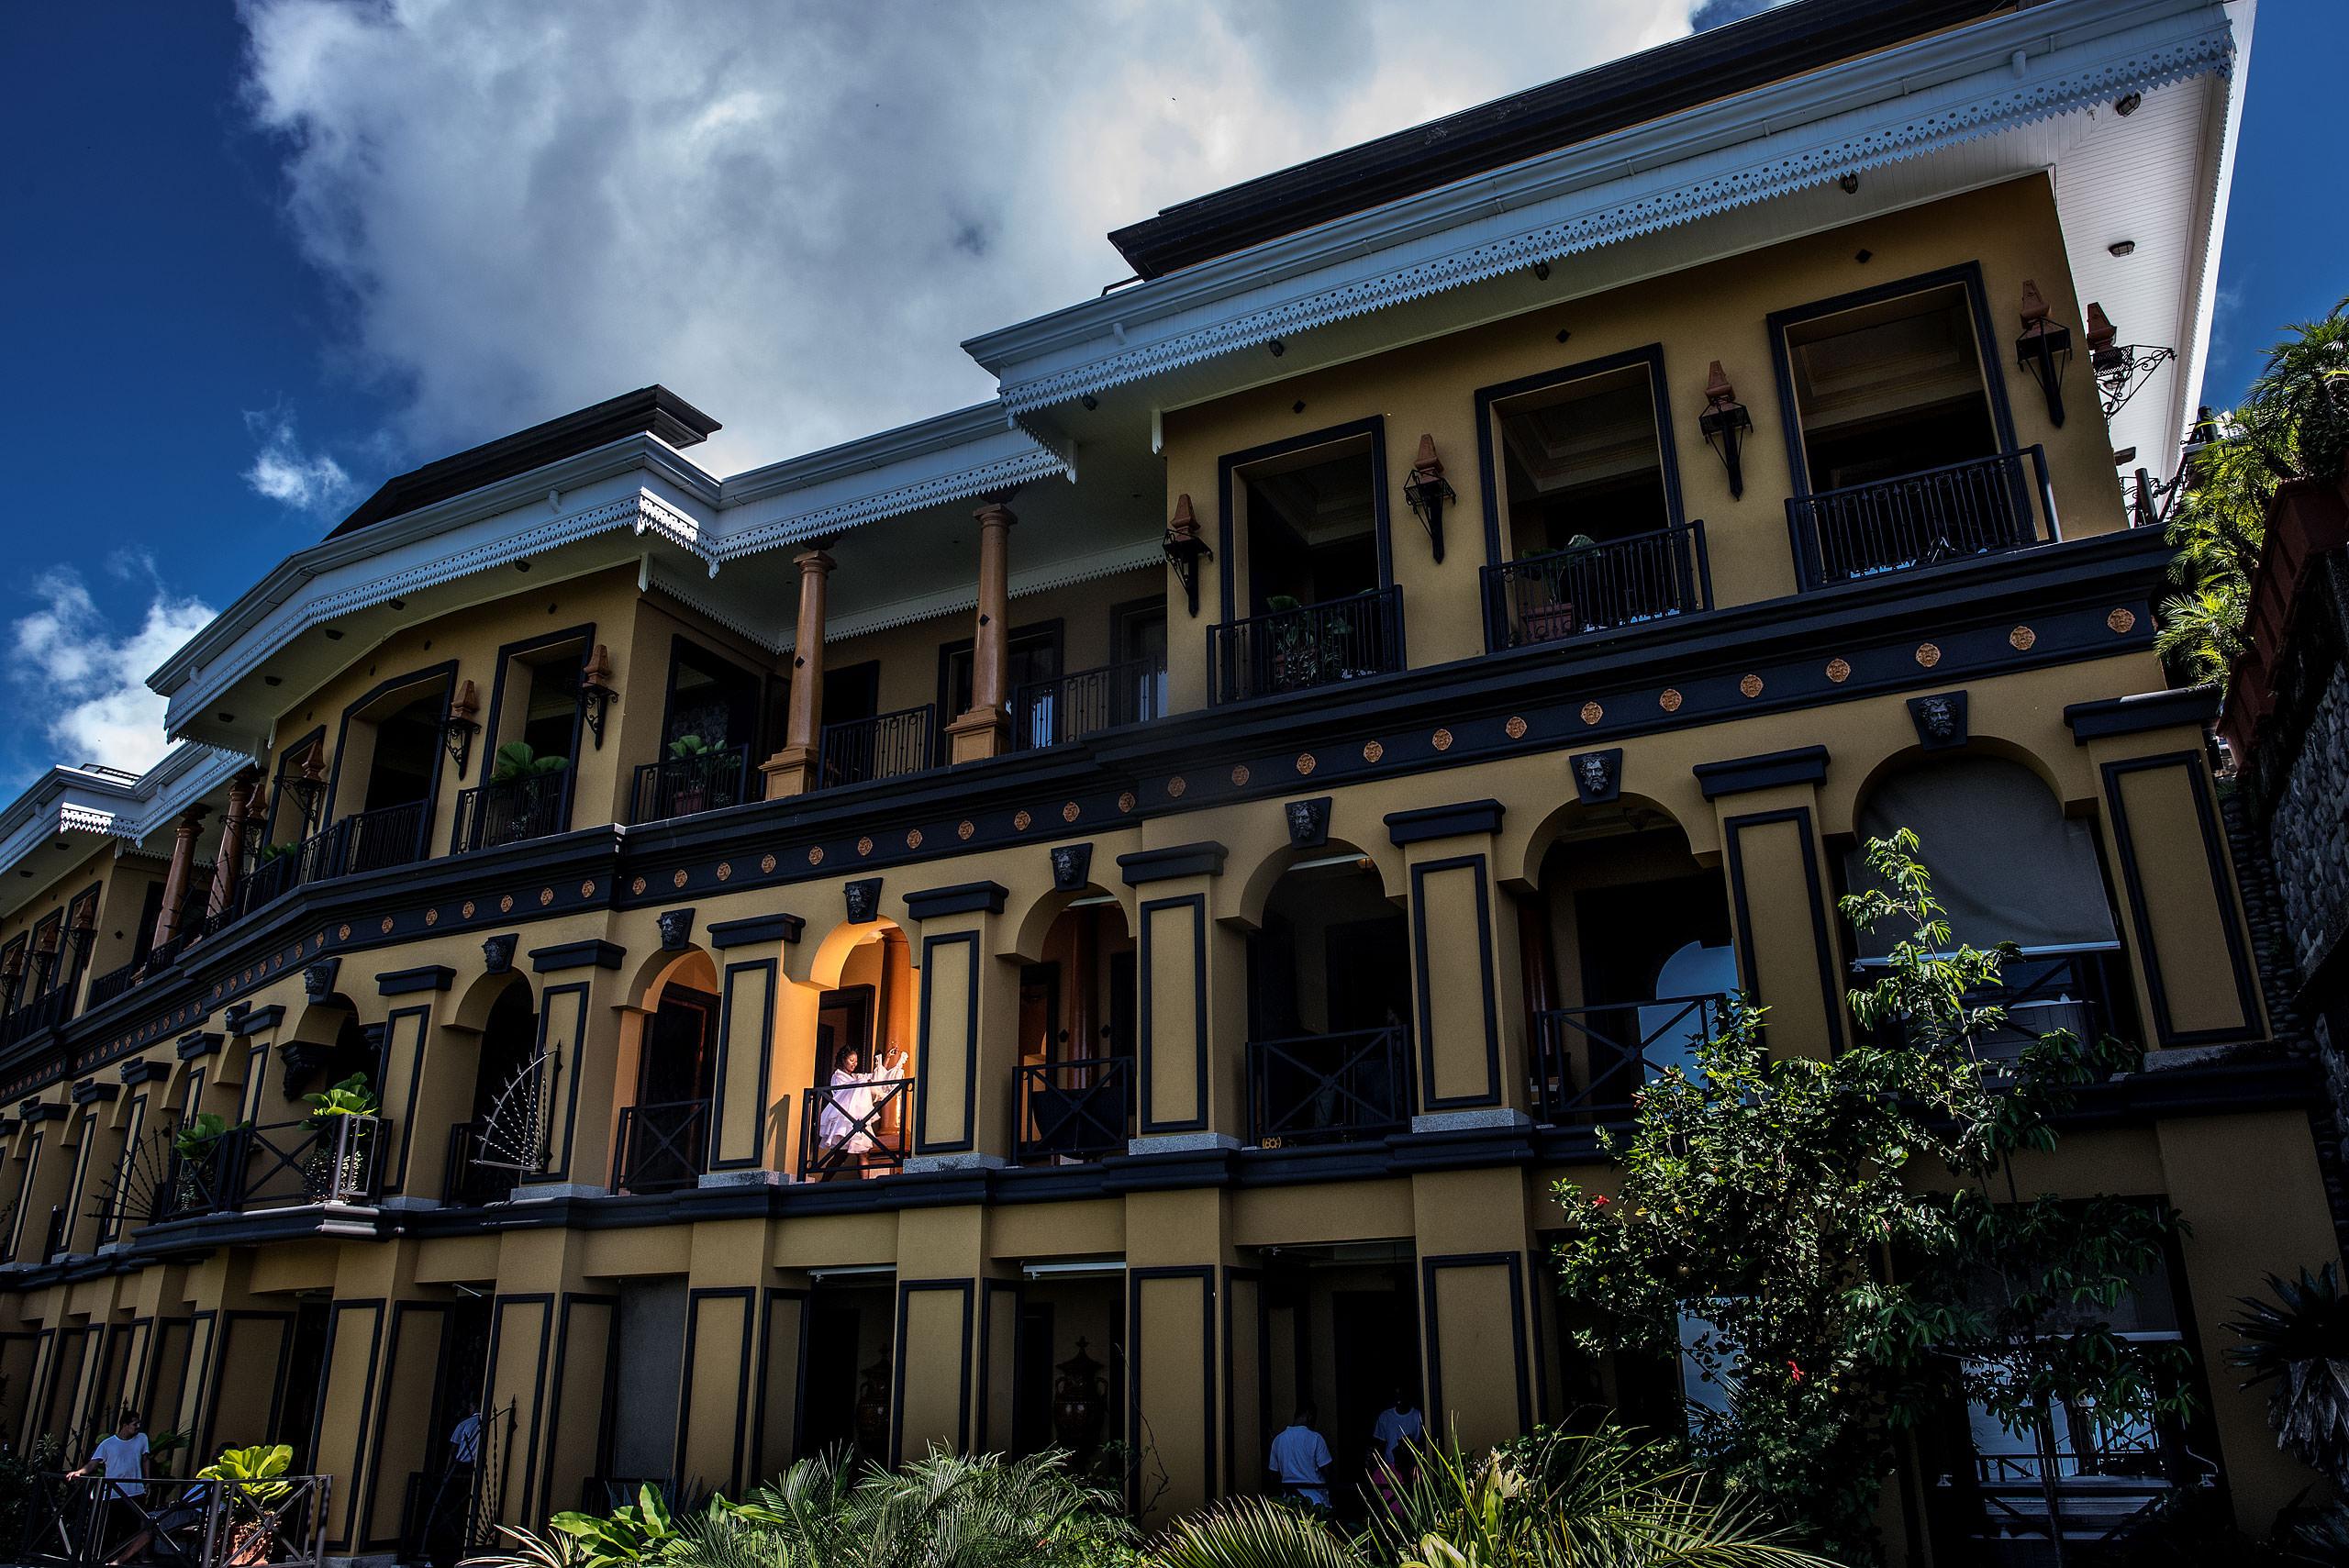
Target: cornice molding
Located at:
point(1958, 86)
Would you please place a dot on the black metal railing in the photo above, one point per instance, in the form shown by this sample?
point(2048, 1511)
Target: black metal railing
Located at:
point(1075, 1110)
point(848, 1129)
point(2084, 994)
point(1597, 587)
point(1328, 1088)
point(1589, 1063)
point(105, 988)
point(882, 746)
point(1920, 519)
point(1312, 645)
point(388, 836)
point(661, 1146)
point(467, 1182)
point(684, 786)
point(86, 1521)
point(41, 1013)
point(507, 811)
point(1045, 712)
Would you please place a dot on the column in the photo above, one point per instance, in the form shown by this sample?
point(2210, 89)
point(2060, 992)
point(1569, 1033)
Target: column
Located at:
point(1179, 1264)
point(718, 1391)
point(1192, 975)
point(966, 1035)
point(985, 729)
point(1781, 917)
point(943, 1274)
point(1479, 1273)
point(1468, 1002)
point(231, 853)
point(176, 881)
point(792, 771)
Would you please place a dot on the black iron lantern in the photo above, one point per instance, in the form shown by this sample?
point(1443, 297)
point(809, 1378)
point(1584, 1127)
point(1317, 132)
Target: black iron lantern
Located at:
point(1185, 550)
point(2044, 350)
point(1427, 490)
point(459, 727)
point(596, 691)
point(1725, 423)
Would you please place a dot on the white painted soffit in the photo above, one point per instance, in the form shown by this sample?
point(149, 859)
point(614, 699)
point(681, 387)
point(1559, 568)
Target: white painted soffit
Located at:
point(1935, 93)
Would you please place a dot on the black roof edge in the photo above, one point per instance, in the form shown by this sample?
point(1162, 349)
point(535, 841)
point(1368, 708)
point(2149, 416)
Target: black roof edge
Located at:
point(1720, 63)
point(654, 409)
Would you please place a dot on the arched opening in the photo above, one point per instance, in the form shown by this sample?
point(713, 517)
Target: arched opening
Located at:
point(2007, 865)
point(859, 1111)
point(1627, 958)
point(664, 1134)
point(1077, 1027)
point(1328, 994)
point(503, 1133)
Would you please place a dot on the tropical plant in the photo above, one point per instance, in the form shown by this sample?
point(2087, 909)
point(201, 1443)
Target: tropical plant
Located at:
point(630, 1533)
point(197, 1136)
point(1558, 1500)
point(1777, 1228)
point(257, 1467)
point(2302, 1340)
point(268, 852)
point(690, 746)
point(2293, 421)
point(519, 760)
point(354, 1096)
point(20, 1483)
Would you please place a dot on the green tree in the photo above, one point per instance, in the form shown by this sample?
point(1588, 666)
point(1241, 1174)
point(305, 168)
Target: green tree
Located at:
point(1844, 1244)
point(2294, 421)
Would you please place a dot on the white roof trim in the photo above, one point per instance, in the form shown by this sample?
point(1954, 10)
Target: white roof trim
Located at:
point(70, 800)
point(1957, 86)
point(1011, 458)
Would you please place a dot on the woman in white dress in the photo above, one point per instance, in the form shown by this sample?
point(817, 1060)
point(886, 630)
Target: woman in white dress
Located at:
point(845, 1126)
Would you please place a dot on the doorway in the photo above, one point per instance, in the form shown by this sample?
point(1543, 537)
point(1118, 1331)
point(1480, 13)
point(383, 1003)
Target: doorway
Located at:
point(845, 1387)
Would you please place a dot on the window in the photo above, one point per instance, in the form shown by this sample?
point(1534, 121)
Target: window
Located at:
point(543, 686)
point(406, 751)
point(1581, 462)
point(1034, 655)
point(1312, 526)
point(1890, 388)
point(852, 693)
point(709, 698)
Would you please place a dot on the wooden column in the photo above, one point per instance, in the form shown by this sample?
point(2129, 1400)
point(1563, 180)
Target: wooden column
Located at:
point(167, 924)
point(792, 771)
point(985, 729)
point(232, 841)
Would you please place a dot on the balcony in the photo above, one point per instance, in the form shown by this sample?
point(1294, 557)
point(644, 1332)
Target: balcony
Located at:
point(1920, 519)
point(1597, 587)
point(853, 1131)
point(687, 786)
point(882, 746)
point(1328, 1088)
point(1312, 645)
point(1590, 1063)
point(507, 811)
point(1075, 1111)
point(44, 1012)
point(468, 1182)
point(283, 1165)
point(2086, 993)
point(1046, 713)
point(661, 1147)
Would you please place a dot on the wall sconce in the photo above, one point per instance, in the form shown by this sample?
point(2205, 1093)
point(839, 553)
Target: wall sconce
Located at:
point(2044, 350)
point(1427, 490)
point(597, 692)
point(83, 932)
point(1185, 550)
point(310, 786)
point(457, 729)
point(2120, 368)
point(12, 976)
point(1725, 423)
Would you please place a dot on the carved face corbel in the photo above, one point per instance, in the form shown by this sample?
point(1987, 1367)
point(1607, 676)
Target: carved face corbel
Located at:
point(1599, 775)
point(1072, 867)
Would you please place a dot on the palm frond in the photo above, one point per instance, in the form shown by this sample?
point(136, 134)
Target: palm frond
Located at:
point(1252, 1532)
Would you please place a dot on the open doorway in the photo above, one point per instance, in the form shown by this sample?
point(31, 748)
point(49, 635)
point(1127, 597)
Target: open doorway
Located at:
point(857, 1119)
point(1076, 1085)
point(845, 1385)
point(1339, 1333)
point(1328, 994)
point(665, 1136)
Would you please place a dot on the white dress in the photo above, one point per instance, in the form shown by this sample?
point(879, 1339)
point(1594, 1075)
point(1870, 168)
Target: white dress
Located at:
point(846, 1109)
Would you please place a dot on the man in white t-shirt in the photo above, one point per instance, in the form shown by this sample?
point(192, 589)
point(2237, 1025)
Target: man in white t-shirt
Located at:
point(1399, 1424)
point(1300, 1459)
point(122, 1459)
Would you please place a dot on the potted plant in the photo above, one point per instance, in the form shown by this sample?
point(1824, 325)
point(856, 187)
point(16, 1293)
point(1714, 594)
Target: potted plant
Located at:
point(1297, 646)
point(198, 1141)
point(351, 1097)
point(514, 765)
point(692, 793)
point(252, 1522)
point(1554, 618)
point(519, 760)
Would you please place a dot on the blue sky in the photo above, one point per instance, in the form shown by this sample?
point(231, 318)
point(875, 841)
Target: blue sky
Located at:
point(263, 255)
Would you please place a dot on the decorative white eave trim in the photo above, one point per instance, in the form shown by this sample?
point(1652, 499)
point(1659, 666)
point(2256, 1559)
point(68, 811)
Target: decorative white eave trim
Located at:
point(1972, 81)
point(974, 451)
point(70, 800)
point(1064, 573)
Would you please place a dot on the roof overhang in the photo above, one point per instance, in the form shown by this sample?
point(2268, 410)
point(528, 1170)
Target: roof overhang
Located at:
point(1933, 95)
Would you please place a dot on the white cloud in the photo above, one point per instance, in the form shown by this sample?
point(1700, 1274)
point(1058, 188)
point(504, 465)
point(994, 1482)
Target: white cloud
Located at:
point(792, 212)
point(85, 688)
point(281, 470)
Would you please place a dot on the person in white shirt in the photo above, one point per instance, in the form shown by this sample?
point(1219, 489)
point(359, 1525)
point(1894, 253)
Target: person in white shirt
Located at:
point(1301, 1459)
point(1397, 1426)
point(122, 1459)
